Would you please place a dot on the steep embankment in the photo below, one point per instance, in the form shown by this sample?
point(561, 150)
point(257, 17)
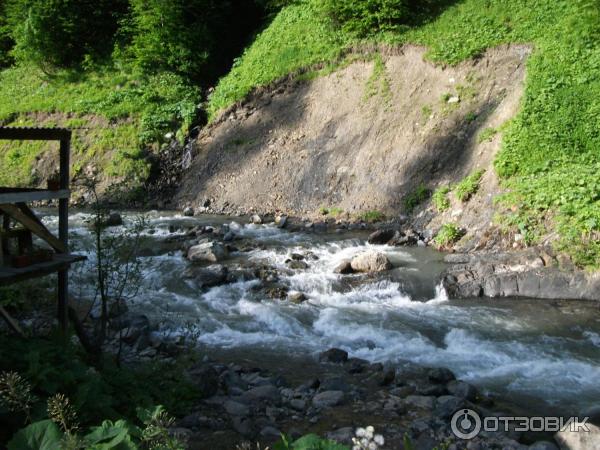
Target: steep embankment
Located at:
point(367, 137)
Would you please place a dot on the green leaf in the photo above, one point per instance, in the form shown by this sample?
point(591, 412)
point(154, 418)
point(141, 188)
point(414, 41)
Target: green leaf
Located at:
point(42, 435)
point(113, 435)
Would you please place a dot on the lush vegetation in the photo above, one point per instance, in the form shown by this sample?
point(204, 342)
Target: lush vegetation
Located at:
point(448, 234)
point(468, 186)
point(440, 199)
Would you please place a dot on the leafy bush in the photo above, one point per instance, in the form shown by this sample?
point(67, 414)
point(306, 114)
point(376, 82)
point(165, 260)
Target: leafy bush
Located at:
point(62, 33)
point(440, 199)
point(6, 41)
point(448, 234)
point(468, 186)
point(414, 199)
point(372, 216)
point(364, 17)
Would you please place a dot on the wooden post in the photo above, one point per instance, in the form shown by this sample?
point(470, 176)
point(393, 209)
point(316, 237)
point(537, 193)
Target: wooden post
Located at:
point(63, 235)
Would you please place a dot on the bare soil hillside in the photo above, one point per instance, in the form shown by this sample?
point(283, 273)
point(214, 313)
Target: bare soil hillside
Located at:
point(361, 138)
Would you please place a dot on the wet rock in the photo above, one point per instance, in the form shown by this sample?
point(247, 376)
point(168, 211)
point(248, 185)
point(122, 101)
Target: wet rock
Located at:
point(440, 375)
point(357, 365)
point(256, 219)
point(328, 399)
point(188, 212)
point(462, 390)
point(210, 276)
point(207, 252)
point(334, 355)
point(344, 268)
point(405, 238)
point(371, 261)
point(277, 292)
point(380, 237)
point(281, 221)
point(297, 297)
point(446, 405)
point(296, 265)
point(297, 257)
point(114, 219)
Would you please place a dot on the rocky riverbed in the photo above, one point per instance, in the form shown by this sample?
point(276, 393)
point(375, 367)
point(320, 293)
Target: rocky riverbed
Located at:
point(262, 297)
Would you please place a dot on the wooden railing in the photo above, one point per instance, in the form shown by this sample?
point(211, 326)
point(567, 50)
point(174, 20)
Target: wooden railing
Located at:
point(14, 208)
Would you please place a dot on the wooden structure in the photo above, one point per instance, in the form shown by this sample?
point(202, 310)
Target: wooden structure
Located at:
point(14, 209)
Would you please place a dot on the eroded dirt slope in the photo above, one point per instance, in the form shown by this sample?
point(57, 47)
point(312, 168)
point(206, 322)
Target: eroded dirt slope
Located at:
point(361, 138)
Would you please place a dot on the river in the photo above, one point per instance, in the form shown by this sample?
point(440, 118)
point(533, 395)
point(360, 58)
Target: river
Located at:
point(542, 355)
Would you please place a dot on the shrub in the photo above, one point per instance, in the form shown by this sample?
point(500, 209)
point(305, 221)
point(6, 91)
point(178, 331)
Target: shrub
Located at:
point(414, 199)
point(365, 17)
point(448, 234)
point(468, 186)
point(440, 199)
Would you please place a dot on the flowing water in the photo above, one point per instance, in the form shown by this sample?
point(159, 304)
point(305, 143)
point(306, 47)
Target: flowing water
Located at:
point(544, 355)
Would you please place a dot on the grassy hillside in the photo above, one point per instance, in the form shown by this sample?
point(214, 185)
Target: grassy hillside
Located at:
point(116, 116)
point(550, 156)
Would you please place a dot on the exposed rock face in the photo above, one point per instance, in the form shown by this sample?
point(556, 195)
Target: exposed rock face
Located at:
point(371, 261)
point(207, 252)
point(529, 274)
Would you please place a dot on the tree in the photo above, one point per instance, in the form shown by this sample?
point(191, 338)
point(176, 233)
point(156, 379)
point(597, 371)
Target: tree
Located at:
point(63, 33)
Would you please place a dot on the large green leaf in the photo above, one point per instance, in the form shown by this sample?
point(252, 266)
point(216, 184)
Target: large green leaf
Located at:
point(42, 435)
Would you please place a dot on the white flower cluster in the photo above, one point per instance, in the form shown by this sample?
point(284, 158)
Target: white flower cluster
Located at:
point(366, 439)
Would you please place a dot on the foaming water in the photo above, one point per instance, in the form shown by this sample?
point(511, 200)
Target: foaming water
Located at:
point(548, 352)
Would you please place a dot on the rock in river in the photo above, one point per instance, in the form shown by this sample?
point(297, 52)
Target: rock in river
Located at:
point(207, 251)
point(371, 261)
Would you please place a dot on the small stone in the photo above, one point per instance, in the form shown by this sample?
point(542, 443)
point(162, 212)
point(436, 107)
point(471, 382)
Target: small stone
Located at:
point(328, 399)
point(188, 212)
point(236, 409)
point(270, 432)
point(454, 99)
point(440, 375)
point(297, 297)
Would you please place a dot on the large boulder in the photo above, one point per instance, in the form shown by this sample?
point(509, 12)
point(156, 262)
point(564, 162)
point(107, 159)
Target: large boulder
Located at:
point(579, 440)
point(207, 252)
point(371, 261)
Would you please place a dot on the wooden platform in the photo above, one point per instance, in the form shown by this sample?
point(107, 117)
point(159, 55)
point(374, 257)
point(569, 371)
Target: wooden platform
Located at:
point(15, 195)
point(10, 275)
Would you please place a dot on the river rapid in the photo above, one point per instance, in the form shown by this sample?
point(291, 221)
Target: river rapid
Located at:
point(541, 355)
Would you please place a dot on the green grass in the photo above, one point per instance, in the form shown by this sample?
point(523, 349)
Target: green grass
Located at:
point(298, 37)
point(440, 199)
point(448, 234)
point(468, 186)
point(334, 211)
point(372, 216)
point(415, 198)
point(487, 135)
point(378, 84)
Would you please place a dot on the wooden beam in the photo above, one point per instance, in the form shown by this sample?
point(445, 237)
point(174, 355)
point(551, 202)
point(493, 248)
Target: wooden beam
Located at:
point(39, 230)
point(34, 134)
point(12, 275)
point(33, 195)
point(12, 323)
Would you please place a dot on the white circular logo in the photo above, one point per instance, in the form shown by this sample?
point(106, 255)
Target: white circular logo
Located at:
point(465, 424)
